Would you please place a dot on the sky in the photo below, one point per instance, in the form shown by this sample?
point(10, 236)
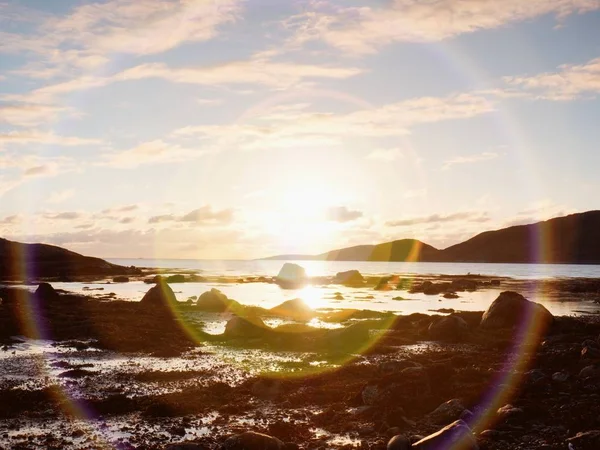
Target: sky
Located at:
point(238, 129)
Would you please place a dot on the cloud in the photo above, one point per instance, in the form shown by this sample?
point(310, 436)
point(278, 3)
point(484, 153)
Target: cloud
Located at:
point(151, 152)
point(468, 216)
point(61, 196)
point(364, 29)
point(485, 156)
point(11, 220)
point(385, 155)
point(568, 83)
point(120, 209)
point(201, 216)
point(46, 138)
point(68, 215)
point(342, 214)
point(294, 126)
point(25, 115)
point(209, 101)
point(126, 220)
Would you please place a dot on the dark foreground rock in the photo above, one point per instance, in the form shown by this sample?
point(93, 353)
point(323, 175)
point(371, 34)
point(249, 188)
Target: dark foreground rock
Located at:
point(512, 310)
point(456, 436)
point(295, 309)
point(160, 296)
point(215, 301)
point(252, 441)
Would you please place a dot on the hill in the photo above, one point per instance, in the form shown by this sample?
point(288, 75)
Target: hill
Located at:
point(31, 261)
point(573, 239)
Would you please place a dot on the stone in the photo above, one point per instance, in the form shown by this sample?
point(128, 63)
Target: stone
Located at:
point(121, 279)
point(591, 371)
point(176, 279)
point(590, 353)
point(560, 377)
point(186, 446)
point(266, 388)
point(448, 328)
point(399, 442)
point(456, 436)
point(349, 278)
point(447, 412)
point(46, 292)
point(587, 440)
point(159, 296)
point(251, 440)
point(245, 327)
point(294, 309)
point(389, 367)
point(215, 301)
point(512, 310)
point(508, 412)
point(291, 276)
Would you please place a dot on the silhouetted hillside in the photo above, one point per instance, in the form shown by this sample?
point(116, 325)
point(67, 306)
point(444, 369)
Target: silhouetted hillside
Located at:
point(30, 261)
point(570, 239)
point(573, 239)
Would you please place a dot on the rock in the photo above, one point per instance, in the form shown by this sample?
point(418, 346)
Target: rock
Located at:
point(490, 434)
point(467, 416)
point(588, 440)
point(176, 279)
point(46, 293)
point(121, 279)
point(160, 296)
point(349, 278)
point(495, 283)
point(456, 436)
point(76, 373)
point(215, 301)
point(295, 309)
point(508, 412)
point(560, 377)
point(511, 310)
point(291, 276)
point(348, 338)
point(448, 328)
point(590, 353)
point(266, 388)
point(399, 442)
point(464, 284)
point(447, 412)
point(591, 371)
point(338, 296)
point(589, 343)
point(451, 295)
point(245, 327)
point(252, 441)
point(370, 394)
point(389, 367)
point(186, 446)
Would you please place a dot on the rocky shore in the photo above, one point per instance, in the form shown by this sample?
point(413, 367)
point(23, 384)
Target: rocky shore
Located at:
point(512, 377)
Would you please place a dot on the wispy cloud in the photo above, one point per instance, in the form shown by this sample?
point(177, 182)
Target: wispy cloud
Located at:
point(342, 214)
point(470, 159)
point(147, 153)
point(467, 216)
point(363, 29)
point(61, 196)
point(42, 137)
point(204, 215)
point(567, 83)
point(25, 115)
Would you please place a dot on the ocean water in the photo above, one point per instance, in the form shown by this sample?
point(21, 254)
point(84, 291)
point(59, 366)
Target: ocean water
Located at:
point(326, 268)
point(268, 295)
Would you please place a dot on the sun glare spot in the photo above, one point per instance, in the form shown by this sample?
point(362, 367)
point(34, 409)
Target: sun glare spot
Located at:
point(312, 297)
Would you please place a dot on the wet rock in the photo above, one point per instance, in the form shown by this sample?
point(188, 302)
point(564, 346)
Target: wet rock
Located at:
point(464, 284)
point(215, 301)
point(508, 412)
point(176, 279)
point(457, 436)
point(159, 296)
point(252, 441)
point(349, 278)
point(46, 293)
point(348, 338)
point(76, 373)
point(291, 276)
point(389, 367)
point(447, 412)
point(245, 327)
point(448, 328)
point(186, 446)
point(490, 434)
point(592, 371)
point(560, 377)
point(399, 442)
point(467, 416)
point(121, 279)
point(295, 309)
point(266, 388)
point(588, 440)
point(590, 353)
point(370, 394)
point(338, 296)
point(451, 295)
point(590, 343)
point(510, 309)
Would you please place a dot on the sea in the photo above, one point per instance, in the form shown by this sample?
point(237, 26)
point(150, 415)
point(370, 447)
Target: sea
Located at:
point(334, 297)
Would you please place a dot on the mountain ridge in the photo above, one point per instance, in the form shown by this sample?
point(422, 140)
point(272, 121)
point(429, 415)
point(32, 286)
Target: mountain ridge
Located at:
point(571, 239)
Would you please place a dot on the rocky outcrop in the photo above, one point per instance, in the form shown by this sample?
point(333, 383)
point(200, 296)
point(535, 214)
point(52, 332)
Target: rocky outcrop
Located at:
point(159, 296)
point(457, 436)
point(295, 309)
point(349, 278)
point(46, 293)
point(251, 440)
point(245, 327)
point(450, 328)
point(511, 310)
point(215, 301)
point(291, 276)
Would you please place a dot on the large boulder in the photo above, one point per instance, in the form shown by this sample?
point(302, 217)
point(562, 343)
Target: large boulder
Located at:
point(251, 440)
point(447, 412)
point(291, 276)
point(45, 292)
point(215, 301)
point(511, 310)
point(245, 327)
point(450, 328)
point(295, 309)
point(159, 296)
point(456, 436)
point(349, 278)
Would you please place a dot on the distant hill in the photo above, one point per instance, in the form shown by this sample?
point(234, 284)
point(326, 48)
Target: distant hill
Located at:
point(31, 261)
point(573, 239)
